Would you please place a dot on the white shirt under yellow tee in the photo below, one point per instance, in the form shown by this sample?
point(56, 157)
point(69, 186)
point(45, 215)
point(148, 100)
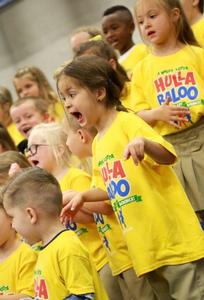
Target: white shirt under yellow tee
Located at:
point(64, 268)
point(158, 222)
point(16, 272)
point(179, 76)
point(198, 30)
point(130, 58)
point(78, 180)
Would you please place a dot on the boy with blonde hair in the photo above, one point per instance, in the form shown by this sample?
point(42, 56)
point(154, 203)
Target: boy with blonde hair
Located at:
point(17, 261)
point(63, 271)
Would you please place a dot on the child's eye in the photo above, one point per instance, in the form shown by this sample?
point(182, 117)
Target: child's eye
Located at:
point(29, 116)
point(62, 97)
point(152, 16)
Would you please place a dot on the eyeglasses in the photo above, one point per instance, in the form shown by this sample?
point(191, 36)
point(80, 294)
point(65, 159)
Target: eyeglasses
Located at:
point(32, 150)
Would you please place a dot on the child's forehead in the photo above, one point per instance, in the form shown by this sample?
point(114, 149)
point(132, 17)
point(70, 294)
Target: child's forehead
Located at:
point(146, 5)
point(24, 77)
point(115, 17)
point(27, 105)
point(67, 82)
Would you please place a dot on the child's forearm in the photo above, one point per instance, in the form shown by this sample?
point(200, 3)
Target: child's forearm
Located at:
point(98, 207)
point(94, 195)
point(158, 153)
point(149, 116)
point(83, 217)
point(14, 297)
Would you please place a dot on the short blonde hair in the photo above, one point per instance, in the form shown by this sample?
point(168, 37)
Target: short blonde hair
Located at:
point(54, 136)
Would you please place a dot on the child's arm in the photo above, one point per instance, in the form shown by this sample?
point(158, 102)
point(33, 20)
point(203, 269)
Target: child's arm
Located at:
point(14, 297)
point(172, 115)
point(80, 297)
point(139, 146)
point(90, 208)
point(75, 201)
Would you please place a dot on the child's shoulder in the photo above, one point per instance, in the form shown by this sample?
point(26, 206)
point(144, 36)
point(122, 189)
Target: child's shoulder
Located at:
point(25, 253)
point(75, 172)
point(65, 244)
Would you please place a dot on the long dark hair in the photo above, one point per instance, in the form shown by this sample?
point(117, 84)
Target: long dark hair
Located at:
point(94, 72)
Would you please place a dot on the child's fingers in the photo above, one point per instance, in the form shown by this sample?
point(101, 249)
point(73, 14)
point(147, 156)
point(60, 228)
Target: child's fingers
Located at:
point(175, 124)
point(167, 101)
point(133, 154)
point(126, 154)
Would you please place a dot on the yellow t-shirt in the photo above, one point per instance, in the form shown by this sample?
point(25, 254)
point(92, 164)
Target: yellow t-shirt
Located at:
point(56, 111)
point(159, 224)
point(130, 58)
point(179, 76)
point(16, 272)
point(198, 30)
point(126, 98)
point(16, 136)
point(64, 268)
point(113, 240)
point(77, 180)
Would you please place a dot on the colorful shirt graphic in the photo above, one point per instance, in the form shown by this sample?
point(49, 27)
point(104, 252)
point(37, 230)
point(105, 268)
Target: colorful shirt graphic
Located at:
point(149, 202)
point(179, 76)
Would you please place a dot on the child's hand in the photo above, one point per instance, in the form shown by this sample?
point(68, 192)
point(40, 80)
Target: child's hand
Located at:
point(72, 202)
point(173, 115)
point(136, 149)
point(14, 168)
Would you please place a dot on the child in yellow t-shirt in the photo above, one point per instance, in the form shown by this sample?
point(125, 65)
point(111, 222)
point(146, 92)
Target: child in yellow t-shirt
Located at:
point(33, 200)
point(167, 88)
point(47, 149)
point(149, 202)
point(6, 101)
point(194, 13)
point(17, 261)
point(118, 27)
point(26, 113)
point(31, 82)
point(79, 141)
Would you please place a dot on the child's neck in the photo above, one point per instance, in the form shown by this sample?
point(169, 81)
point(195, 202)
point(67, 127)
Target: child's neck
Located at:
point(127, 47)
point(196, 18)
point(59, 172)
point(9, 246)
point(50, 228)
point(106, 120)
point(168, 48)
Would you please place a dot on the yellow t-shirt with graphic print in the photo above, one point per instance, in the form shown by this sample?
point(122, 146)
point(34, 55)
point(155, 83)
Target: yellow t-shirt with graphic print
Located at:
point(179, 76)
point(64, 268)
point(16, 272)
point(77, 180)
point(129, 59)
point(198, 30)
point(159, 224)
point(16, 136)
point(114, 243)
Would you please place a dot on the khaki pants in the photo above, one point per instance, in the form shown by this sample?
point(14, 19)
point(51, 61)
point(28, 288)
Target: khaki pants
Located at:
point(110, 283)
point(180, 282)
point(134, 288)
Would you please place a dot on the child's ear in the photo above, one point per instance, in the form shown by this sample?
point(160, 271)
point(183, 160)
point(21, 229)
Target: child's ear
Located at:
point(32, 214)
point(47, 118)
point(100, 94)
point(82, 135)
point(195, 3)
point(113, 63)
point(175, 14)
